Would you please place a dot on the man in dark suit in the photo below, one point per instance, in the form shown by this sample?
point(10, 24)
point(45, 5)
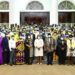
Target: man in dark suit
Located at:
point(5, 50)
point(61, 50)
point(49, 45)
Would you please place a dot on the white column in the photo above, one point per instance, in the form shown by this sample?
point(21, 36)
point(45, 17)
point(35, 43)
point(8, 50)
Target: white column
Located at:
point(14, 14)
point(54, 12)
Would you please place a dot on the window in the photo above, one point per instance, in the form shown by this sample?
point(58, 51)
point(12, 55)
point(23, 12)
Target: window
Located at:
point(35, 5)
point(66, 17)
point(4, 5)
point(66, 5)
point(4, 17)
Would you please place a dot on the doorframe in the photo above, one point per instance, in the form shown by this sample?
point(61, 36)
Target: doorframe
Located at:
point(34, 12)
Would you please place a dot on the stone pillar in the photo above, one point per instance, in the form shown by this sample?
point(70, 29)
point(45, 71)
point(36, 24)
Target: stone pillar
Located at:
point(14, 14)
point(54, 12)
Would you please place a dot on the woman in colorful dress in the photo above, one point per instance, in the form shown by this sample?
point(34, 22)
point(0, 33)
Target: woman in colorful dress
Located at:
point(1, 50)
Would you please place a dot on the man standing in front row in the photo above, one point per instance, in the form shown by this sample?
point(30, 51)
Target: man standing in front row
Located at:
point(12, 47)
point(38, 44)
point(5, 50)
point(50, 49)
point(61, 50)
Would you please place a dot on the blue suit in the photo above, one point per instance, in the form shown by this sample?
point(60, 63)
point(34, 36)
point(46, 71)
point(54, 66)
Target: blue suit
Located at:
point(5, 51)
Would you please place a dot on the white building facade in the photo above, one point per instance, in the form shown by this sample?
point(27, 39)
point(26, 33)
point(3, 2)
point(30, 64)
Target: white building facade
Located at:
point(55, 8)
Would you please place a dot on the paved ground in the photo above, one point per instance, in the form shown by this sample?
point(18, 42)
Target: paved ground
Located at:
point(37, 70)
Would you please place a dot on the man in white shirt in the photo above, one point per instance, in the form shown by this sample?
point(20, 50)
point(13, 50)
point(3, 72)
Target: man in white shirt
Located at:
point(12, 47)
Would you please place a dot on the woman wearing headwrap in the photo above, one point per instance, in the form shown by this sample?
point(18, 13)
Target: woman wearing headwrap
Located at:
point(16, 37)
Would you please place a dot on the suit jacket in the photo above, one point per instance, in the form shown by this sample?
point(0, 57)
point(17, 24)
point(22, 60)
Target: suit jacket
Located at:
point(50, 45)
point(5, 44)
point(61, 47)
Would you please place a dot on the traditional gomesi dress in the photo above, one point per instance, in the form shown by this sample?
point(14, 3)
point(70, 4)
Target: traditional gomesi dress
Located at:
point(20, 52)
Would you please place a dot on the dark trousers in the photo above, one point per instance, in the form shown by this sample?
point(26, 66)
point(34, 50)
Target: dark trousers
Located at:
point(27, 57)
point(12, 57)
point(6, 57)
point(49, 57)
point(70, 60)
point(62, 58)
point(73, 60)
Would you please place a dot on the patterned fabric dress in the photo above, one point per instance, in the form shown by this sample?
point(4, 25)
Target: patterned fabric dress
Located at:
point(20, 52)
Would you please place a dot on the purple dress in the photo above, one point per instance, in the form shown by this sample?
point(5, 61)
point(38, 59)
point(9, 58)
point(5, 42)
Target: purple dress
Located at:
point(1, 51)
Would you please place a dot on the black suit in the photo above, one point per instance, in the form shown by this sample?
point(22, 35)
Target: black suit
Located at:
point(61, 52)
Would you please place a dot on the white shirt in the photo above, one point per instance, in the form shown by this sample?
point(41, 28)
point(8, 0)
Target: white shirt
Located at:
point(12, 44)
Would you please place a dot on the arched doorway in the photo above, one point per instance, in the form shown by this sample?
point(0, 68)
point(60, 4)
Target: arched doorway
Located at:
point(35, 5)
point(4, 5)
point(34, 18)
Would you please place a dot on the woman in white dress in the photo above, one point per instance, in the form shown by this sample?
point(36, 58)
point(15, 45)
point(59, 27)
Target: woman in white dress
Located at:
point(39, 49)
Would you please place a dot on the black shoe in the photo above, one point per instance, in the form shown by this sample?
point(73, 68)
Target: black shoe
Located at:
point(50, 64)
point(14, 63)
point(60, 63)
point(11, 65)
point(47, 63)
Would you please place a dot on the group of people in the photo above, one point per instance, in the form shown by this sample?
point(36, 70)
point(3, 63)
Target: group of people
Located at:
point(37, 46)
